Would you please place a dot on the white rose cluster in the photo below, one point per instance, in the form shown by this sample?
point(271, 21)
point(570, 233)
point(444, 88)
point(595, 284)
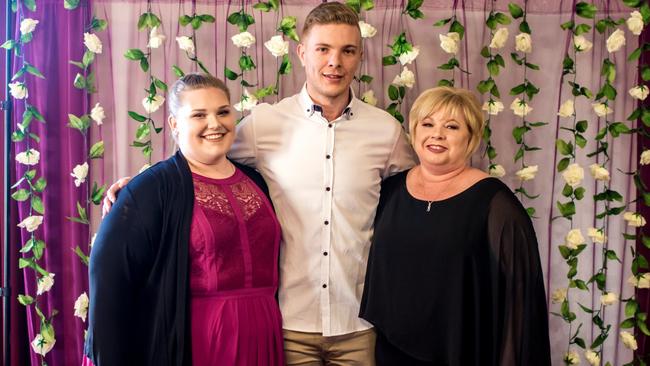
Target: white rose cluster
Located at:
point(81, 306)
point(449, 42)
point(520, 108)
point(616, 41)
point(635, 23)
point(639, 92)
point(527, 173)
point(573, 175)
point(18, 90)
point(367, 30)
point(493, 107)
point(152, 104)
point(369, 97)
point(566, 109)
point(405, 78)
point(277, 46)
point(186, 44)
point(574, 238)
point(28, 157)
point(523, 43)
point(243, 40)
point(97, 114)
point(28, 25)
point(79, 173)
point(92, 42)
point(247, 103)
point(497, 171)
point(499, 39)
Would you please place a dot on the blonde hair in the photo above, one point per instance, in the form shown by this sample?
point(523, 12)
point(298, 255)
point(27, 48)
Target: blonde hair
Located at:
point(330, 13)
point(455, 102)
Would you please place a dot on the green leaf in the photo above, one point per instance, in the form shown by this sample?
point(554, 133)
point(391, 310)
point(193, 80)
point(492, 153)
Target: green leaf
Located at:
point(598, 341)
point(485, 85)
point(230, 75)
point(285, 66)
point(88, 58)
point(25, 300)
point(393, 93)
point(524, 27)
point(177, 71)
point(365, 4)
point(502, 19)
point(144, 64)
point(582, 29)
point(77, 123)
point(70, 4)
point(265, 7)
point(485, 52)
point(563, 164)
point(579, 193)
point(445, 82)
point(611, 255)
point(366, 79)
point(567, 191)
point(531, 66)
point(586, 10)
point(196, 23)
point(627, 323)
point(568, 25)
point(580, 141)
point(136, 116)
point(389, 60)
point(9, 44)
point(566, 209)
point(642, 327)
point(246, 63)
point(21, 195)
point(442, 22)
point(97, 193)
point(142, 131)
point(635, 54)
point(563, 147)
point(30, 4)
point(134, 54)
point(98, 25)
point(37, 205)
point(84, 258)
point(518, 133)
point(97, 150)
point(458, 28)
point(355, 5)
point(518, 89)
point(493, 68)
point(632, 3)
point(79, 81)
point(184, 20)
point(581, 126)
point(515, 10)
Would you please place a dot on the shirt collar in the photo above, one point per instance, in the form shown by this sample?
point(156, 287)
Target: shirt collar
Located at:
point(309, 107)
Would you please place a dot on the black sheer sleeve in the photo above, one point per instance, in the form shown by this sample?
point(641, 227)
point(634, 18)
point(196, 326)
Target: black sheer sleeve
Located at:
point(521, 301)
point(121, 258)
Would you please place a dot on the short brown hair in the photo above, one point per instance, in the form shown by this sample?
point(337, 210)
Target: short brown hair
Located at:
point(454, 101)
point(192, 81)
point(330, 13)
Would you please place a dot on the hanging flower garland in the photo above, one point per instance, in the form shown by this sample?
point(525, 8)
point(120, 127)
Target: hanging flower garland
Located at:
point(243, 40)
point(157, 88)
point(450, 44)
point(83, 123)
point(367, 32)
point(28, 187)
point(498, 39)
point(527, 91)
point(573, 175)
point(277, 46)
point(405, 53)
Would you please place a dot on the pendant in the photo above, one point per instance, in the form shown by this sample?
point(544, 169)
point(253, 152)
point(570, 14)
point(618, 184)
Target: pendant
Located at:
point(429, 206)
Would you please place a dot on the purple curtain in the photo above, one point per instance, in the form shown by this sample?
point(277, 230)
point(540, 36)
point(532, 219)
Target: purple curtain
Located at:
point(58, 39)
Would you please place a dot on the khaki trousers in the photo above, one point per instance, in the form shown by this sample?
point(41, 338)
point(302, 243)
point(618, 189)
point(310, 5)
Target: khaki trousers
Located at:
point(312, 349)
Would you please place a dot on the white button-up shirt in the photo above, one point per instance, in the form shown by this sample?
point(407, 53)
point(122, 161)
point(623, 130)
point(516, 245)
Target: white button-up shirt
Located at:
point(324, 179)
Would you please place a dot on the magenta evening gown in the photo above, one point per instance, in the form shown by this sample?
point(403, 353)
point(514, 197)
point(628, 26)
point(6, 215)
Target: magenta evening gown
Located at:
point(234, 247)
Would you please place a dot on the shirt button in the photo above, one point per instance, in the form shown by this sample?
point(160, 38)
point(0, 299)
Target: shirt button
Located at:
point(328, 189)
point(325, 254)
point(327, 222)
point(324, 286)
point(329, 125)
point(328, 156)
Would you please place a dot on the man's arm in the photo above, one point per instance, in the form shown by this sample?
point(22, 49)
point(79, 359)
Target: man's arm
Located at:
point(401, 158)
point(244, 149)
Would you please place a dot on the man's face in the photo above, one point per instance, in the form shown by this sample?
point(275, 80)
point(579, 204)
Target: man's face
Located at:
point(331, 54)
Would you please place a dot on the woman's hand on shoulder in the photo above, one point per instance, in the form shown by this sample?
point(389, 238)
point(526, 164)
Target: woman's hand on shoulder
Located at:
point(111, 194)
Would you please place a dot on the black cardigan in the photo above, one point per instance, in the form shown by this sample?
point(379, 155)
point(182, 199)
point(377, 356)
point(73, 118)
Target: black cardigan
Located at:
point(139, 281)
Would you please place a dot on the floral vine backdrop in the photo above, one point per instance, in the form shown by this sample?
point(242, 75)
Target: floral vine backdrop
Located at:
point(562, 85)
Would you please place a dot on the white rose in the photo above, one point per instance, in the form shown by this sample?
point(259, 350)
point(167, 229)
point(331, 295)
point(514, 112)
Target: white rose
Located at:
point(559, 295)
point(573, 238)
point(615, 41)
point(406, 78)
point(408, 57)
point(597, 235)
point(527, 173)
point(592, 357)
point(566, 109)
point(523, 43)
point(634, 219)
point(31, 223)
point(18, 90)
point(41, 345)
point(81, 306)
point(634, 23)
point(582, 44)
point(645, 157)
point(497, 171)
point(186, 44)
point(144, 167)
point(97, 114)
point(573, 175)
point(152, 104)
point(243, 40)
point(499, 39)
point(367, 30)
point(156, 38)
point(449, 42)
point(608, 298)
point(572, 358)
point(639, 92)
point(277, 46)
point(28, 157)
point(92, 42)
point(28, 25)
point(601, 109)
point(628, 340)
point(369, 97)
point(44, 284)
point(642, 282)
point(80, 172)
point(247, 103)
point(493, 107)
point(598, 172)
point(520, 108)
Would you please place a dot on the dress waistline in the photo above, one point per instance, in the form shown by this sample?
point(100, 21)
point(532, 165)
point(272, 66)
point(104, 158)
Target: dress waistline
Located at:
point(239, 293)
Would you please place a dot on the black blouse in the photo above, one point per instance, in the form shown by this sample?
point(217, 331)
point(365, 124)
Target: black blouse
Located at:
point(461, 284)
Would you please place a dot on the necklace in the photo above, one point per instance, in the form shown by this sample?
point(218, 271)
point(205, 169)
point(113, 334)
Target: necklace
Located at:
point(441, 191)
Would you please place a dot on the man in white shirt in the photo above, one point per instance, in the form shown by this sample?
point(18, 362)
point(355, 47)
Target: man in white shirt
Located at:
point(323, 154)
